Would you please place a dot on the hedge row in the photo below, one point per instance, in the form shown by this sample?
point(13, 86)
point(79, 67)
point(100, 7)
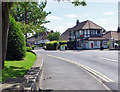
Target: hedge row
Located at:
point(54, 45)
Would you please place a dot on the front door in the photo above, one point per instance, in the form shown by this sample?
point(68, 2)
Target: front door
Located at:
point(91, 45)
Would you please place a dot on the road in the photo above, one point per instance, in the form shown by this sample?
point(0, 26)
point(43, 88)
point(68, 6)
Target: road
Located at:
point(102, 64)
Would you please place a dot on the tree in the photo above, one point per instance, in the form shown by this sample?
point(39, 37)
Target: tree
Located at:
point(54, 36)
point(5, 25)
point(16, 42)
point(30, 16)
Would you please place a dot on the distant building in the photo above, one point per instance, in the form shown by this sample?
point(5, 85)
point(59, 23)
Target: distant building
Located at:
point(87, 35)
point(41, 39)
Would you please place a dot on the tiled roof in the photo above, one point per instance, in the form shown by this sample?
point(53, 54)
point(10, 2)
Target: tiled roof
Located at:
point(86, 25)
point(66, 34)
point(112, 34)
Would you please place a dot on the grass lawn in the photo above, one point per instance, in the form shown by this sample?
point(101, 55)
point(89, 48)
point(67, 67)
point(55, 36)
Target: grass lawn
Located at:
point(15, 69)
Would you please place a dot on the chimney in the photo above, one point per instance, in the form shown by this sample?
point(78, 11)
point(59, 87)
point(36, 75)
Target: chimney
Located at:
point(77, 22)
point(118, 30)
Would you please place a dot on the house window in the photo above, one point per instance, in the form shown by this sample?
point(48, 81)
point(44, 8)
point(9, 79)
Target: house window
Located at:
point(76, 33)
point(92, 31)
point(72, 33)
point(98, 31)
point(95, 43)
point(88, 31)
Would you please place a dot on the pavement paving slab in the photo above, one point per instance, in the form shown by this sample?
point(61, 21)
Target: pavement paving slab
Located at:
point(61, 75)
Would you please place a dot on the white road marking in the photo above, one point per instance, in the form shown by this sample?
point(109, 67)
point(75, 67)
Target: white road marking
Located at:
point(108, 59)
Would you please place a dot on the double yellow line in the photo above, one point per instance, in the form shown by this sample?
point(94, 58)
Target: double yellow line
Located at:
point(99, 75)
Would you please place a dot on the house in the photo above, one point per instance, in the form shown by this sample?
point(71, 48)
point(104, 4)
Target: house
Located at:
point(87, 35)
point(114, 38)
point(41, 39)
point(31, 40)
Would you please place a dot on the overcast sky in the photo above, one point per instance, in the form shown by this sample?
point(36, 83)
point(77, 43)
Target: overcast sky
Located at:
point(64, 14)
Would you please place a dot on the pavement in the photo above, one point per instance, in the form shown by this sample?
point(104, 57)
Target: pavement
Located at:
point(61, 75)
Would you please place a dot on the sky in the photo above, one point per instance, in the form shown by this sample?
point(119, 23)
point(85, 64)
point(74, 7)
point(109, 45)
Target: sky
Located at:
point(64, 14)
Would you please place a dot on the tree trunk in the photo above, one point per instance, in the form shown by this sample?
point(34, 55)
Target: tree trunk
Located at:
point(5, 26)
point(26, 23)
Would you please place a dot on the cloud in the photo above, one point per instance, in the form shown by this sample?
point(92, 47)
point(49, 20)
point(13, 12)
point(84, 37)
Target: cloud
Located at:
point(53, 18)
point(71, 15)
point(108, 13)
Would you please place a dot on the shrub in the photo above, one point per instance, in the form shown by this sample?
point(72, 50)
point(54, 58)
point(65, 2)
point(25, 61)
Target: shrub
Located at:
point(40, 45)
point(62, 42)
point(16, 46)
point(53, 45)
point(28, 49)
point(71, 45)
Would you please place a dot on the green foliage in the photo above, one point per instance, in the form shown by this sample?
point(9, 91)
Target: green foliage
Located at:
point(33, 47)
point(40, 45)
point(77, 3)
point(108, 43)
point(54, 36)
point(53, 45)
point(35, 15)
point(15, 69)
point(28, 49)
point(16, 46)
point(62, 42)
point(71, 45)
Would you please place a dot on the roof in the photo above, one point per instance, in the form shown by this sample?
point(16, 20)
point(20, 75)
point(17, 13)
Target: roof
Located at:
point(31, 39)
point(112, 34)
point(87, 25)
point(97, 38)
point(66, 34)
point(43, 37)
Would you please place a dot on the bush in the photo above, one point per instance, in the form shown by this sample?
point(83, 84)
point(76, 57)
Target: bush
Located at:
point(62, 42)
point(40, 45)
point(53, 45)
point(33, 47)
point(16, 46)
point(28, 49)
point(71, 45)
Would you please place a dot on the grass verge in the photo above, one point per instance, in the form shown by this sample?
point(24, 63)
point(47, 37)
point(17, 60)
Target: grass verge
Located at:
point(15, 69)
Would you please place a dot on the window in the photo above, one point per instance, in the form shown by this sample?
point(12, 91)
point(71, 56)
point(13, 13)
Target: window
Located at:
point(72, 33)
point(80, 32)
point(98, 31)
point(95, 43)
point(92, 31)
point(76, 33)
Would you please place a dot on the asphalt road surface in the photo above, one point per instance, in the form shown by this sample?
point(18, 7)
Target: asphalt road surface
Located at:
point(102, 64)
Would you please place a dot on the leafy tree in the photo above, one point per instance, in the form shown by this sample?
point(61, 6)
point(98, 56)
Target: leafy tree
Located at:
point(30, 16)
point(16, 42)
point(54, 36)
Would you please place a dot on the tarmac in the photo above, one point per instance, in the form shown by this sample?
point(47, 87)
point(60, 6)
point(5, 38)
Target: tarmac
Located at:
point(61, 75)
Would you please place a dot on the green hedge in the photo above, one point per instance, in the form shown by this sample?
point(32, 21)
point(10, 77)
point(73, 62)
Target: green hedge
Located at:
point(71, 45)
point(28, 49)
point(62, 42)
point(53, 45)
point(16, 46)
